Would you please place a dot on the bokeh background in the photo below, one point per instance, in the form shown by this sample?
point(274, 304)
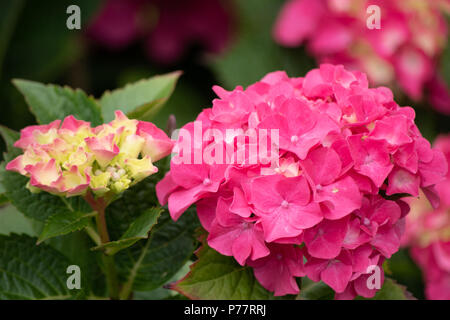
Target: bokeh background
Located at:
point(224, 42)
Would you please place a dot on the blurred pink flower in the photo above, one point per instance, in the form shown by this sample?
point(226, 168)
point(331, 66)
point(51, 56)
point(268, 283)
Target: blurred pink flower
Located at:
point(167, 27)
point(404, 50)
point(428, 235)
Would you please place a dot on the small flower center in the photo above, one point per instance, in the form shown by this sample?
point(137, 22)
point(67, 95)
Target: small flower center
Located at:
point(366, 221)
point(285, 204)
point(246, 225)
point(121, 172)
point(294, 139)
point(115, 176)
point(207, 181)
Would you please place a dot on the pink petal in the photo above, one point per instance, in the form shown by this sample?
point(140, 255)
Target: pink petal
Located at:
point(157, 143)
point(325, 240)
point(402, 181)
point(165, 187)
point(393, 129)
point(343, 195)
point(337, 273)
point(103, 148)
point(329, 169)
point(371, 158)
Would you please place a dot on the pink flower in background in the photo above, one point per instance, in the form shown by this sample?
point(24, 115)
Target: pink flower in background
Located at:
point(168, 28)
point(405, 50)
point(318, 206)
point(72, 158)
point(428, 235)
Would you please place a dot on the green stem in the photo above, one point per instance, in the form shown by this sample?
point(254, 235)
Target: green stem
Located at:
point(93, 235)
point(111, 276)
point(99, 205)
point(101, 225)
point(125, 293)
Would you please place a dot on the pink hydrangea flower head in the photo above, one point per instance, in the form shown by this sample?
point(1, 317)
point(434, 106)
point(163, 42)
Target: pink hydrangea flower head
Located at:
point(72, 158)
point(404, 49)
point(295, 176)
point(428, 235)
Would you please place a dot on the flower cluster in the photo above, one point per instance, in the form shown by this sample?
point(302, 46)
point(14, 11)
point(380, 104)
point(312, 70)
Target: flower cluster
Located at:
point(428, 234)
point(328, 207)
point(70, 158)
point(168, 27)
point(406, 47)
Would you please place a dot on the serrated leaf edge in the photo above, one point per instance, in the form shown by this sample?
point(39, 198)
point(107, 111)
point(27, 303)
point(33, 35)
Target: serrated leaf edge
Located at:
point(40, 240)
point(107, 246)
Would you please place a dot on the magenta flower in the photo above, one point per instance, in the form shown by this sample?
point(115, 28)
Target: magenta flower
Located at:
point(167, 27)
point(286, 211)
point(73, 158)
point(428, 236)
point(233, 235)
point(292, 176)
point(277, 271)
point(404, 50)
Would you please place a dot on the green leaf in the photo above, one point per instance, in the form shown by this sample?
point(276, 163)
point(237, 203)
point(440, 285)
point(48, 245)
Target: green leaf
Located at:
point(163, 292)
point(405, 271)
point(391, 290)
point(215, 276)
point(186, 102)
point(10, 136)
point(139, 229)
point(13, 221)
point(64, 223)
point(75, 246)
point(151, 263)
point(3, 198)
point(29, 272)
point(139, 100)
point(311, 290)
point(52, 102)
point(131, 204)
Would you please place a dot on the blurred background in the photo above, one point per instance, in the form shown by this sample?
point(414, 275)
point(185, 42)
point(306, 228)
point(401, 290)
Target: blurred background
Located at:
point(229, 43)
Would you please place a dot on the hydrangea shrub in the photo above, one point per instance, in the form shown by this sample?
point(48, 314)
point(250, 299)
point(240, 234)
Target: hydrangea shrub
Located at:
point(294, 186)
